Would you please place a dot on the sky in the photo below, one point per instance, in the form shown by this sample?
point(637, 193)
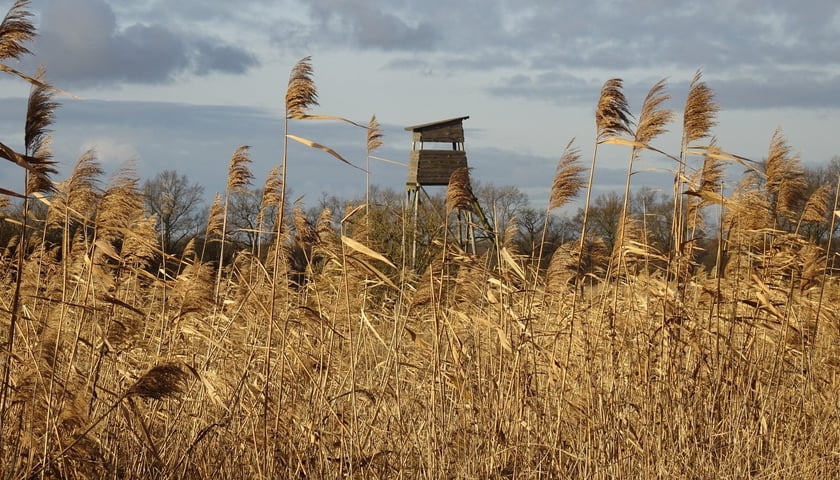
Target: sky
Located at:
point(180, 85)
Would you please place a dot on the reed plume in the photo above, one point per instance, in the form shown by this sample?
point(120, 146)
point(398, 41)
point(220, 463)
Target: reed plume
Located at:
point(701, 111)
point(712, 173)
point(141, 242)
point(121, 204)
point(459, 194)
point(817, 206)
point(567, 180)
point(271, 190)
point(570, 264)
point(301, 94)
point(612, 117)
point(16, 30)
point(80, 193)
point(654, 118)
point(239, 176)
point(374, 135)
point(216, 217)
point(160, 382)
point(785, 180)
point(40, 113)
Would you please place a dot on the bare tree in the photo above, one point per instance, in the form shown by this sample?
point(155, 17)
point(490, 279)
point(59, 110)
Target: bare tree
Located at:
point(178, 205)
point(815, 177)
point(604, 217)
point(531, 221)
point(243, 215)
point(500, 203)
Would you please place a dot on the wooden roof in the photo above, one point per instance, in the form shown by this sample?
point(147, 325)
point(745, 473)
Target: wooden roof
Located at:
point(439, 123)
point(443, 131)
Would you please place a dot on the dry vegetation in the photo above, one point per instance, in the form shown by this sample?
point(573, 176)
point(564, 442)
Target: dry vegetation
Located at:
point(634, 363)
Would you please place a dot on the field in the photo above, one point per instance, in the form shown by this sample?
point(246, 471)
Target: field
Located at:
point(323, 353)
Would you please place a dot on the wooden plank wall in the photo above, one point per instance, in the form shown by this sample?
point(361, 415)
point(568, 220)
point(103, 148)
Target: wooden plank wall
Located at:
point(433, 167)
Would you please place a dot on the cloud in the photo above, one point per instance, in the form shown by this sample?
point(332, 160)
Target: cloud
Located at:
point(369, 26)
point(757, 55)
point(83, 45)
point(803, 89)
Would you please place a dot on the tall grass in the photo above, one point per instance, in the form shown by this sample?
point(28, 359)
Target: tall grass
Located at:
point(480, 366)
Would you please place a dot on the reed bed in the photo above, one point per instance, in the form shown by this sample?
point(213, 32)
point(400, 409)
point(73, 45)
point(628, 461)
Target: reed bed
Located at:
point(122, 360)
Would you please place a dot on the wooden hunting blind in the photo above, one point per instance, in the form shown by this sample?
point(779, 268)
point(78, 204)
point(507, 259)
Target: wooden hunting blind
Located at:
point(437, 150)
point(429, 163)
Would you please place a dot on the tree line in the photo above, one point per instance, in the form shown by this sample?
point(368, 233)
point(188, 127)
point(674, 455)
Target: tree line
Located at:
point(182, 214)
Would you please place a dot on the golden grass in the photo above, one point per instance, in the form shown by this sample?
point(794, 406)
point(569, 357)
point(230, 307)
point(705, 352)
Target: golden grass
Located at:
point(731, 379)
point(320, 357)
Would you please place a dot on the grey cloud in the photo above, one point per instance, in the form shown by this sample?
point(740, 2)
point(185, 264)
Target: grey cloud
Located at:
point(774, 87)
point(368, 26)
point(804, 89)
point(551, 86)
point(759, 54)
point(82, 44)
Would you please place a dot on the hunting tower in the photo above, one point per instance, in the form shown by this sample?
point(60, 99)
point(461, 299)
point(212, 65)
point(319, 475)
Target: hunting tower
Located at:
point(433, 164)
point(437, 150)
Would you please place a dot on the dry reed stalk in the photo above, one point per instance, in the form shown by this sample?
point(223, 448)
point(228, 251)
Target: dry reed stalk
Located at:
point(270, 199)
point(159, 383)
point(374, 141)
point(699, 116)
point(652, 123)
point(239, 178)
point(706, 186)
point(612, 118)
point(301, 94)
point(566, 184)
point(39, 115)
